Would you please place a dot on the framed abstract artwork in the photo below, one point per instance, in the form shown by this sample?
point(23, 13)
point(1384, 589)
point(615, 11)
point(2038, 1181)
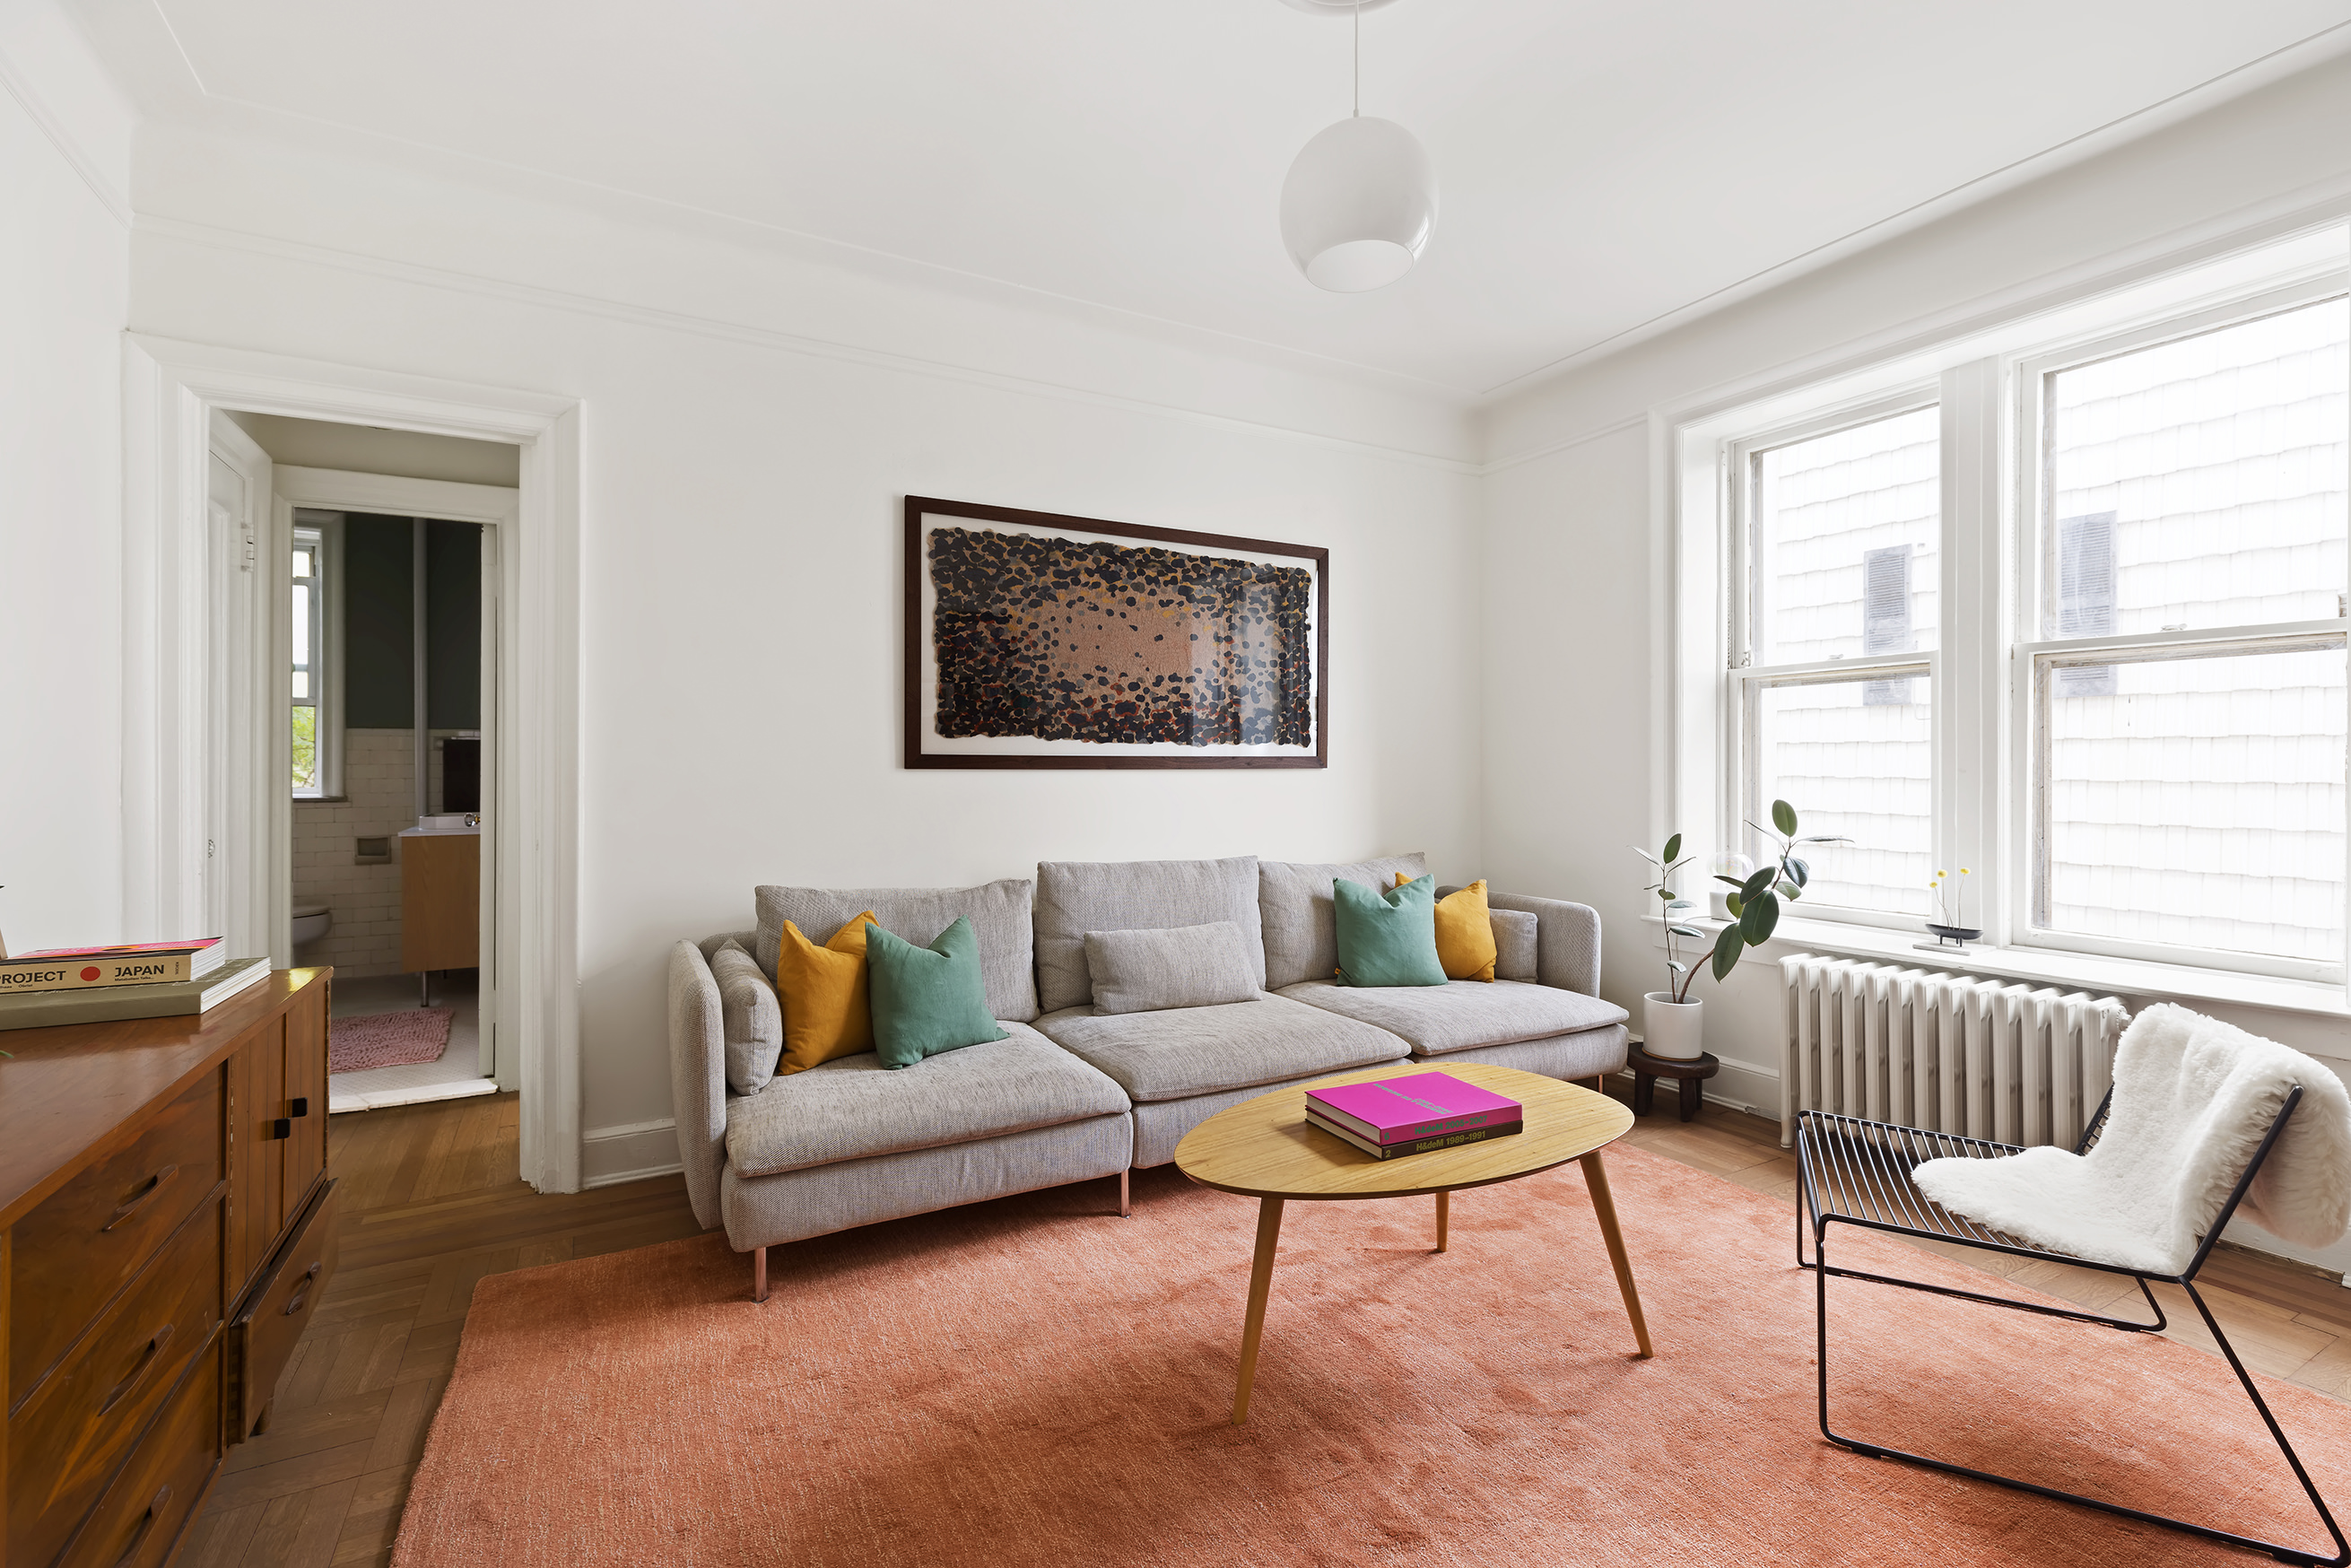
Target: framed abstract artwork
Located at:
point(1035, 640)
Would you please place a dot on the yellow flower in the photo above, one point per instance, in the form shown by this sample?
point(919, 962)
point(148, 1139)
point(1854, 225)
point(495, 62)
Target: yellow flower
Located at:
point(1964, 871)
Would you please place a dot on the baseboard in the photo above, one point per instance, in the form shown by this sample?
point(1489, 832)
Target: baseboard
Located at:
point(1737, 1084)
point(629, 1152)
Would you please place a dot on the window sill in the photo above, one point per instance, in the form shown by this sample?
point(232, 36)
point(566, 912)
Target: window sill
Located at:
point(2088, 971)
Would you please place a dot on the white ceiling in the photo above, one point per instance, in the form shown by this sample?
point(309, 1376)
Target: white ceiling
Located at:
point(1600, 165)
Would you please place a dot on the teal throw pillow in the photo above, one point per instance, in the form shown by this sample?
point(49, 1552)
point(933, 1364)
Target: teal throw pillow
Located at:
point(1388, 939)
point(927, 999)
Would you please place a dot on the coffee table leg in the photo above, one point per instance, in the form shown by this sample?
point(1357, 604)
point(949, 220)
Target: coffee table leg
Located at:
point(1444, 1213)
point(1595, 1178)
point(1269, 1232)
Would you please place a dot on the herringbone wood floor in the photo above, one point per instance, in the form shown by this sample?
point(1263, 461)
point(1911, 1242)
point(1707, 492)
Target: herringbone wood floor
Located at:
point(430, 1204)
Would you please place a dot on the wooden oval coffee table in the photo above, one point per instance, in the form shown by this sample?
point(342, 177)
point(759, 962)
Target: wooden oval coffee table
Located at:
point(1263, 1149)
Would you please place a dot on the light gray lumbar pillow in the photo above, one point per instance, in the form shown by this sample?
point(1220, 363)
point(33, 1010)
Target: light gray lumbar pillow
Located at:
point(1514, 944)
point(1182, 967)
point(754, 1019)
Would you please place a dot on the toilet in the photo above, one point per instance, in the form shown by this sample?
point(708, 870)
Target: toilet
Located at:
point(311, 921)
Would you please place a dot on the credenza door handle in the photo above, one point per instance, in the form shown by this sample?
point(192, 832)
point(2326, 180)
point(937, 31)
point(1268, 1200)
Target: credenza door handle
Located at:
point(147, 1360)
point(140, 1200)
point(138, 1537)
point(297, 1304)
point(298, 1107)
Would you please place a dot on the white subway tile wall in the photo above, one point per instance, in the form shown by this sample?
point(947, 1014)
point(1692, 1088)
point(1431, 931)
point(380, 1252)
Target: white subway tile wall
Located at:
point(380, 788)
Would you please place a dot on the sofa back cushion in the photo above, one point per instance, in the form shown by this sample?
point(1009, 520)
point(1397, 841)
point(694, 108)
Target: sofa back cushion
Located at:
point(1301, 933)
point(1001, 913)
point(1184, 966)
point(1514, 944)
point(1074, 897)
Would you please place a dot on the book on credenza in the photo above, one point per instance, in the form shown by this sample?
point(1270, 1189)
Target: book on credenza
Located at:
point(124, 963)
point(1403, 1146)
point(1412, 1106)
point(107, 1004)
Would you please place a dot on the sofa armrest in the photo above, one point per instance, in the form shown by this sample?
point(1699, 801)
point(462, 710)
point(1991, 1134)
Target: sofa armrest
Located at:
point(1567, 940)
point(697, 1077)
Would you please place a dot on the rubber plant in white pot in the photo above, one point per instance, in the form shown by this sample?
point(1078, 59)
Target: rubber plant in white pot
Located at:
point(1673, 1021)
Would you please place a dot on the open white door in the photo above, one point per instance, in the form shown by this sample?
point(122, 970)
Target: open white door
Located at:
point(490, 1016)
point(248, 869)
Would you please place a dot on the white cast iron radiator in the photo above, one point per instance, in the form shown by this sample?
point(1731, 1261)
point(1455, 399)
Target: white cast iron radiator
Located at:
point(1955, 1054)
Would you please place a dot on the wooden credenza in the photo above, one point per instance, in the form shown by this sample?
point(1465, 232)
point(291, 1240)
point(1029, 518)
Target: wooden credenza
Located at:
point(165, 1223)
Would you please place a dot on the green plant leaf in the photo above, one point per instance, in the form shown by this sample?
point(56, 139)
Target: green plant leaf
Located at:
point(1783, 817)
point(1788, 890)
point(1663, 893)
point(1758, 884)
point(1677, 967)
point(1799, 869)
point(1679, 903)
point(1692, 932)
point(1733, 880)
point(1647, 856)
point(1731, 902)
point(1672, 846)
point(1726, 952)
point(1757, 921)
point(1824, 838)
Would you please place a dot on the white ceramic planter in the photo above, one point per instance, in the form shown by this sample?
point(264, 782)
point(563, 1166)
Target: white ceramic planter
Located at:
point(1673, 1029)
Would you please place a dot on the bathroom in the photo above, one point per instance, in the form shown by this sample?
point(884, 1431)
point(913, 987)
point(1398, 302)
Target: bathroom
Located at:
point(387, 763)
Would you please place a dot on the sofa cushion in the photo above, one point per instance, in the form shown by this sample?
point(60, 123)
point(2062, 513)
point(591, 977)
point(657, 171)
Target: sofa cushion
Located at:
point(1461, 1013)
point(1514, 944)
point(754, 1022)
point(1199, 1051)
point(1187, 966)
point(1074, 897)
point(1301, 938)
point(850, 1108)
point(999, 913)
point(825, 996)
point(1465, 934)
point(1387, 938)
point(927, 1001)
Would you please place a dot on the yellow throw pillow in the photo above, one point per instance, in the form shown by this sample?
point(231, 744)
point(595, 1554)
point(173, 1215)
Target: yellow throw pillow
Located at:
point(1465, 934)
point(826, 1009)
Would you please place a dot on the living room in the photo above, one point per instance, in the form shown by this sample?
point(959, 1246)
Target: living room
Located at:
point(767, 307)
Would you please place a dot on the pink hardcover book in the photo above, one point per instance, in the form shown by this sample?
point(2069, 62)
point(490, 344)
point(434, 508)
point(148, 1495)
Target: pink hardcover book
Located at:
point(1416, 1105)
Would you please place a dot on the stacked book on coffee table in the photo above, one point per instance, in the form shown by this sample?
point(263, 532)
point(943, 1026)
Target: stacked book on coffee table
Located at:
point(133, 980)
point(1413, 1114)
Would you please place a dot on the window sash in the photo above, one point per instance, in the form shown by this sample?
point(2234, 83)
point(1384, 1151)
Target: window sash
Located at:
point(311, 543)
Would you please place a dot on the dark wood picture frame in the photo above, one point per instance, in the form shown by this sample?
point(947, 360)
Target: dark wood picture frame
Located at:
point(919, 701)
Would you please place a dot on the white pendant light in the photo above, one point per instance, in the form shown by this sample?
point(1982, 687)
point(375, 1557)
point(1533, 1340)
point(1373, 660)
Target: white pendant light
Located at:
point(1361, 197)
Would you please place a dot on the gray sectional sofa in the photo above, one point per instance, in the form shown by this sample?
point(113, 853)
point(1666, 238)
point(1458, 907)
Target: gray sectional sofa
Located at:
point(1075, 1092)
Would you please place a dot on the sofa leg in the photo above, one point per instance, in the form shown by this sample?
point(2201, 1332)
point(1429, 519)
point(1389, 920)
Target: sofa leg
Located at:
point(1125, 1210)
point(758, 1273)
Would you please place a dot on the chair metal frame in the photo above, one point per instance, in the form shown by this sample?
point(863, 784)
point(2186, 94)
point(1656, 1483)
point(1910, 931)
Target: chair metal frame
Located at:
point(1857, 1173)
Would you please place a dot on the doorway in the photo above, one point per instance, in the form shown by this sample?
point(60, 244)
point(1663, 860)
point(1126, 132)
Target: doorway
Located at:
point(382, 590)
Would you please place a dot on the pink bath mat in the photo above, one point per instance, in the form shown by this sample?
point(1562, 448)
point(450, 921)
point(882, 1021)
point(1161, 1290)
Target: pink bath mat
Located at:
point(387, 1039)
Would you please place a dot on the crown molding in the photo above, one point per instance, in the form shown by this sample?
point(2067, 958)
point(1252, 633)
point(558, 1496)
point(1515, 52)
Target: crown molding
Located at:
point(539, 295)
point(112, 196)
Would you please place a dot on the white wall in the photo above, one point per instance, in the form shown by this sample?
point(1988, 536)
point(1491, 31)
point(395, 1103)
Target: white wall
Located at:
point(741, 562)
point(366, 449)
point(1574, 568)
point(64, 292)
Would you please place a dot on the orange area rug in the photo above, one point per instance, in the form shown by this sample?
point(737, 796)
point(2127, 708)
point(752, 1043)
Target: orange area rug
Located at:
point(1035, 1381)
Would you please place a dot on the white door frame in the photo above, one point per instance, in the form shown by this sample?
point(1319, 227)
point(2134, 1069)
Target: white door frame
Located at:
point(497, 509)
point(238, 876)
point(170, 613)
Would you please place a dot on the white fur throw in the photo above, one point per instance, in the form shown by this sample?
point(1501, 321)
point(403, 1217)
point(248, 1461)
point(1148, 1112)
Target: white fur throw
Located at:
point(2193, 1098)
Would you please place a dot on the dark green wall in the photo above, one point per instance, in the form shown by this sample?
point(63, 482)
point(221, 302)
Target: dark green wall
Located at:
point(453, 625)
point(378, 625)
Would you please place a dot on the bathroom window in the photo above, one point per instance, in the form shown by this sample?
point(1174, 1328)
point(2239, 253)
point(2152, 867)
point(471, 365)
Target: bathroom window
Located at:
point(313, 682)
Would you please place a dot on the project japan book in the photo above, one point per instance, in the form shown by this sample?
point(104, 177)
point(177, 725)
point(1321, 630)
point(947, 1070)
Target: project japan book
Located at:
point(125, 964)
point(1415, 1106)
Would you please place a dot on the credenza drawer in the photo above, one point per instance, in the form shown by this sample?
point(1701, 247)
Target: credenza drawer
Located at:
point(77, 1428)
point(72, 1253)
point(150, 1503)
point(261, 1339)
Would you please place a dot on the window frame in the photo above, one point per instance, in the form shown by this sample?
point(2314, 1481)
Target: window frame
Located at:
point(1988, 371)
point(2033, 650)
point(327, 651)
point(1745, 680)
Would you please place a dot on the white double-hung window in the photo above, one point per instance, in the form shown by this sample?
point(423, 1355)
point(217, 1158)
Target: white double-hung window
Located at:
point(2064, 604)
